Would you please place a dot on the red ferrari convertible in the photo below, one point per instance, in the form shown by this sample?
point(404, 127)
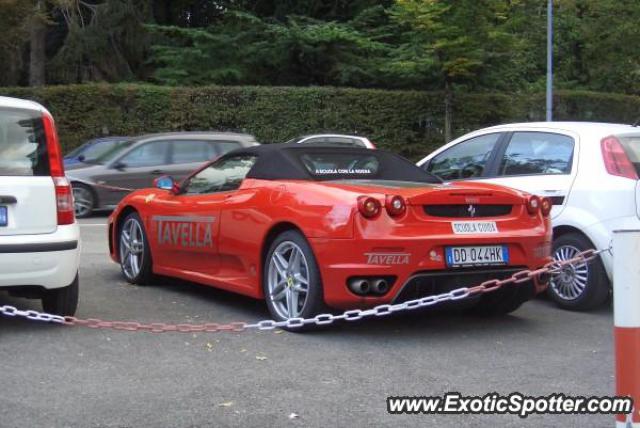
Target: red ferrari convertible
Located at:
point(309, 227)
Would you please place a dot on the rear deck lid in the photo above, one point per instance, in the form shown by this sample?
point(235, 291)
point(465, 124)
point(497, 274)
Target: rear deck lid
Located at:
point(27, 192)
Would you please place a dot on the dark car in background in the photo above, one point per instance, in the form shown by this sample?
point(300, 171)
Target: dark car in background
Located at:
point(133, 164)
point(92, 149)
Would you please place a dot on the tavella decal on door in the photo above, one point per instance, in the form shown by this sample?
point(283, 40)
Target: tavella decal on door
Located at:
point(185, 231)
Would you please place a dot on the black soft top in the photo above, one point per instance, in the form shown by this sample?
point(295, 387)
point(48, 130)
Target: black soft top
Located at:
point(287, 161)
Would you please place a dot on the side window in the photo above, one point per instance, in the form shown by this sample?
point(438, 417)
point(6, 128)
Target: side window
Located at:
point(185, 151)
point(219, 148)
point(148, 154)
point(465, 160)
point(223, 175)
point(531, 153)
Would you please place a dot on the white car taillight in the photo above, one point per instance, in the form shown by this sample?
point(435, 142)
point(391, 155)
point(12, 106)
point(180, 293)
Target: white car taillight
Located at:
point(64, 201)
point(64, 193)
point(616, 160)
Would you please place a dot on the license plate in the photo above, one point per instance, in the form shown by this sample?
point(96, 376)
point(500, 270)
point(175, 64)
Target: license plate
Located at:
point(4, 217)
point(474, 227)
point(477, 256)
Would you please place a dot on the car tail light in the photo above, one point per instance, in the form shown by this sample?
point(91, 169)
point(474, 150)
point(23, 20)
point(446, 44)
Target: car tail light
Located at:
point(395, 205)
point(64, 201)
point(533, 205)
point(616, 160)
point(545, 206)
point(369, 207)
point(64, 193)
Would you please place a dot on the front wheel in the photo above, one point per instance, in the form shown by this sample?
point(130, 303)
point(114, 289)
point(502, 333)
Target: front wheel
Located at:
point(581, 286)
point(83, 200)
point(135, 253)
point(291, 278)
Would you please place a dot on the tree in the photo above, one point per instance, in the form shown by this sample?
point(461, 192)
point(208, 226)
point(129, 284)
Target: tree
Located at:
point(446, 44)
point(15, 34)
point(104, 41)
point(300, 51)
point(37, 34)
point(597, 45)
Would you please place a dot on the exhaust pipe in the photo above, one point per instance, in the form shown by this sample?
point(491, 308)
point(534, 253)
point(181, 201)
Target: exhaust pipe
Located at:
point(380, 286)
point(360, 286)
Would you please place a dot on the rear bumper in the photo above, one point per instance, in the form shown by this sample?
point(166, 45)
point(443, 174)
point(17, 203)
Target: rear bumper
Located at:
point(432, 283)
point(47, 261)
point(418, 268)
point(601, 234)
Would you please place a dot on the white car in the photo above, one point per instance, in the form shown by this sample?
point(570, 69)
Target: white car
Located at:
point(588, 170)
point(334, 140)
point(39, 236)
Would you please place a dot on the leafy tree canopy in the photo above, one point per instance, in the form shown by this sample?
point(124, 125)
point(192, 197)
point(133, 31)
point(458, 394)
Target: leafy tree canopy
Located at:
point(481, 45)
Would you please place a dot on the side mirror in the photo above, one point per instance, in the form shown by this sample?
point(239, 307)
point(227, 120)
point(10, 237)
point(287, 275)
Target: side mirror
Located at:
point(119, 165)
point(166, 182)
point(81, 158)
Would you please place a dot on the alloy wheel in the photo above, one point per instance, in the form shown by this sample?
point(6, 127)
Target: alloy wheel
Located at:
point(288, 280)
point(571, 281)
point(131, 248)
point(82, 201)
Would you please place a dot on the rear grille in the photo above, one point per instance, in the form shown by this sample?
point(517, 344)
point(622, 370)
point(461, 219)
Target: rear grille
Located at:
point(467, 210)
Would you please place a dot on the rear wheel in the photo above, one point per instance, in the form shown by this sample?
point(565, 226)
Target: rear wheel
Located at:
point(135, 253)
point(579, 287)
point(62, 301)
point(291, 278)
point(83, 200)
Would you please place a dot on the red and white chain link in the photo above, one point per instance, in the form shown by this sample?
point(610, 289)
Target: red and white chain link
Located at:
point(489, 286)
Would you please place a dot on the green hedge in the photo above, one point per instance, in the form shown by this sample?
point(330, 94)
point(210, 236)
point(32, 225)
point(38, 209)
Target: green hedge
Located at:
point(409, 122)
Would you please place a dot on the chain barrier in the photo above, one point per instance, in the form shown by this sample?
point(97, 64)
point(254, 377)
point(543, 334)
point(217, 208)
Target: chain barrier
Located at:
point(113, 188)
point(489, 286)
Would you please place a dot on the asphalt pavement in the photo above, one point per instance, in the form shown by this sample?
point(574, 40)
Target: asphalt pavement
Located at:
point(58, 376)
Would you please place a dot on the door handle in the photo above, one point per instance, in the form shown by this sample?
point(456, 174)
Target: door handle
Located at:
point(157, 172)
point(8, 199)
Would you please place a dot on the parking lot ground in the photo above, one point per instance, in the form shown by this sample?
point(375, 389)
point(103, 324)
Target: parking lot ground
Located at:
point(56, 376)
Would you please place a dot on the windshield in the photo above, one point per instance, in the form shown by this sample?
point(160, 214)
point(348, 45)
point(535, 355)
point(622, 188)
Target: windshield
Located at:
point(341, 164)
point(114, 151)
point(360, 164)
point(75, 152)
point(97, 149)
point(294, 140)
point(23, 148)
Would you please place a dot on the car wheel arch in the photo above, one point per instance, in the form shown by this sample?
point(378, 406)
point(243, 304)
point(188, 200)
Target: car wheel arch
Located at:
point(96, 198)
point(558, 231)
point(124, 212)
point(273, 232)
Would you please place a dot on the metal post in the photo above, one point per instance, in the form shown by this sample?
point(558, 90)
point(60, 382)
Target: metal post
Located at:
point(626, 315)
point(550, 61)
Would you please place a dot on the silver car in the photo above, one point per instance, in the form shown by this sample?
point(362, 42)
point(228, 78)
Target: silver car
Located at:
point(334, 140)
point(133, 164)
